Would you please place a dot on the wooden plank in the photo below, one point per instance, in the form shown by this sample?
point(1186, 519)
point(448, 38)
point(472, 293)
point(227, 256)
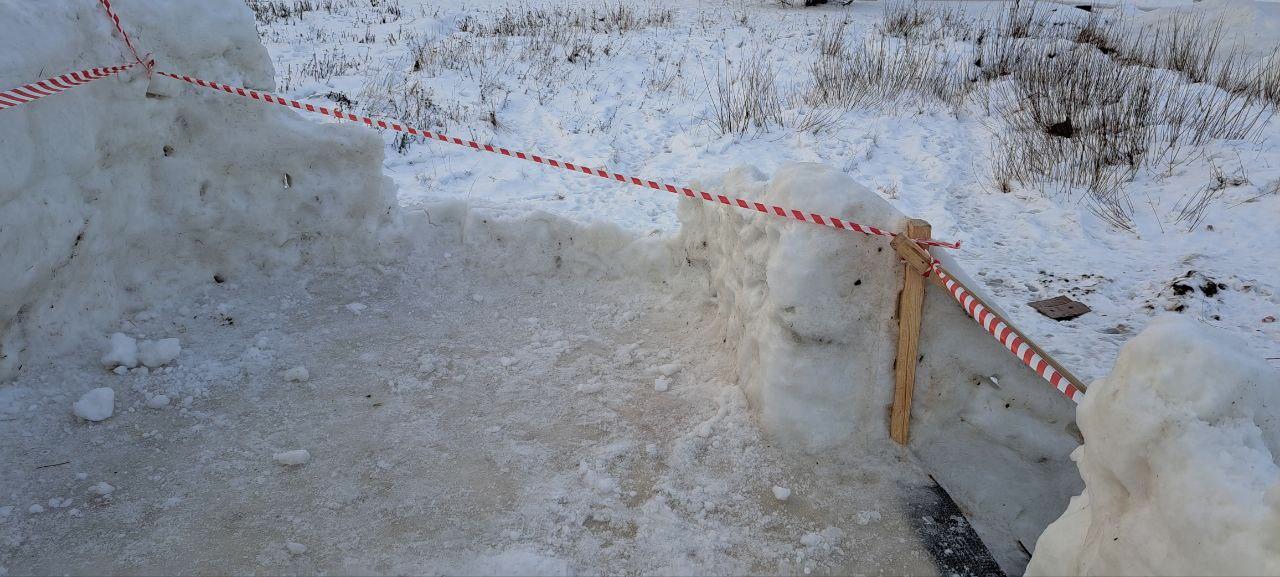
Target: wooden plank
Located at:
point(910, 311)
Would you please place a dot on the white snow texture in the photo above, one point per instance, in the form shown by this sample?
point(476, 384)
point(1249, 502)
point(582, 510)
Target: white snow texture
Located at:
point(811, 312)
point(1179, 462)
point(96, 405)
point(118, 193)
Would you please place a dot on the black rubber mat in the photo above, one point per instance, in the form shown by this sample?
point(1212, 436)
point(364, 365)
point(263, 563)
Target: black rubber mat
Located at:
point(947, 536)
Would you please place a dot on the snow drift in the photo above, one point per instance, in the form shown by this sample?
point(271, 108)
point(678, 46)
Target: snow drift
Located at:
point(1181, 463)
point(810, 312)
point(115, 195)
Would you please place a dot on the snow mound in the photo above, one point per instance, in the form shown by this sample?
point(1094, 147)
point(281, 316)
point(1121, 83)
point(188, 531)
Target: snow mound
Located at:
point(158, 353)
point(126, 192)
point(122, 351)
point(1181, 463)
point(810, 313)
point(96, 405)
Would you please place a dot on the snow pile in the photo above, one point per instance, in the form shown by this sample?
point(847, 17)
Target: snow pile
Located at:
point(810, 312)
point(1181, 463)
point(125, 192)
point(798, 300)
point(96, 405)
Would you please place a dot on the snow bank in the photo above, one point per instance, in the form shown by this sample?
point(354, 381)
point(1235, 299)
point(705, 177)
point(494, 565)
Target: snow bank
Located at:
point(810, 313)
point(1181, 463)
point(523, 241)
point(114, 197)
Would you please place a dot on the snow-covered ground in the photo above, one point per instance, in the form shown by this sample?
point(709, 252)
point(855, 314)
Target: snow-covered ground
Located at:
point(637, 101)
point(515, 370)
point(461, 420)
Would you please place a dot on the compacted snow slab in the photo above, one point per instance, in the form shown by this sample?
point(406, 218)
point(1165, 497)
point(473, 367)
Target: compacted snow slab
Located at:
point(475, 416)
point(128, 190)
point(810, 316)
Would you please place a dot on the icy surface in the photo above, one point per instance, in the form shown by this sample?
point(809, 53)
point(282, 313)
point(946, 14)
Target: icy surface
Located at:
point(1181, 463)
point(470, 467)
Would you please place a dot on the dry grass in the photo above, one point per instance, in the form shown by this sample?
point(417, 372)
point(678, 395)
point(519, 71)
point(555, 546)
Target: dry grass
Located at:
point(1083, 104)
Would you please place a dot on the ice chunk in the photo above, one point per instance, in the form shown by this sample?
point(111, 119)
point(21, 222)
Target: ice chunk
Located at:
point(781, 493)
point(294, 457)
point(95, 405)
point(158, 353)
point(102, 488)
point(158, 401)
point(1179, 462)
point(297, 374)
point(122, 351)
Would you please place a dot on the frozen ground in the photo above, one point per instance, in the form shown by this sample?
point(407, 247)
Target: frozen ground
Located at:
point(463, 421)
point(637, 102)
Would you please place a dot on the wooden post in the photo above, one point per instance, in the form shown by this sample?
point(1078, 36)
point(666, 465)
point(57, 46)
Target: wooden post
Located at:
point(910, 311)
point(919, 259)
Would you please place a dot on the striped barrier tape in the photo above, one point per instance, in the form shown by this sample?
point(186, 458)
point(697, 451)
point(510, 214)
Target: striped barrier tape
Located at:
point(115, 19)
point(810, 217)
point(1008, 336)
point(50, 86)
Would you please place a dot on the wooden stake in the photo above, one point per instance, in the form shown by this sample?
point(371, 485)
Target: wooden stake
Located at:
point(910, 311)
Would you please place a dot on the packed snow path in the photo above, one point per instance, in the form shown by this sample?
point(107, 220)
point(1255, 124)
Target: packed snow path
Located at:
point(458, 419)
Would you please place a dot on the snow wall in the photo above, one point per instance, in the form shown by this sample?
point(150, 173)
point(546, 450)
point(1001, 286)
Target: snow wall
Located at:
point(1181, 463)
point(111, 197)
point(811, 314)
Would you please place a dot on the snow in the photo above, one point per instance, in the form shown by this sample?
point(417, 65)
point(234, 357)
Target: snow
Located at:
point(781, 493)
point(122, 351)
point(155, 354)
point(123, 193)
point(297, 375)
point(158, 401)
point(809, 314)
point(525, 371)
point(294, 457)
point(102, 489)
point(411, 480)
point(95, 405)
point(640, 109)
point(1181, 462)
point(866, 517)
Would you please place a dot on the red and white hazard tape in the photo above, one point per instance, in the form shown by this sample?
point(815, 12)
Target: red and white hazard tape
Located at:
point(810, 217)
point(1007, 336)
point(111, 13)
point(51, 86)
